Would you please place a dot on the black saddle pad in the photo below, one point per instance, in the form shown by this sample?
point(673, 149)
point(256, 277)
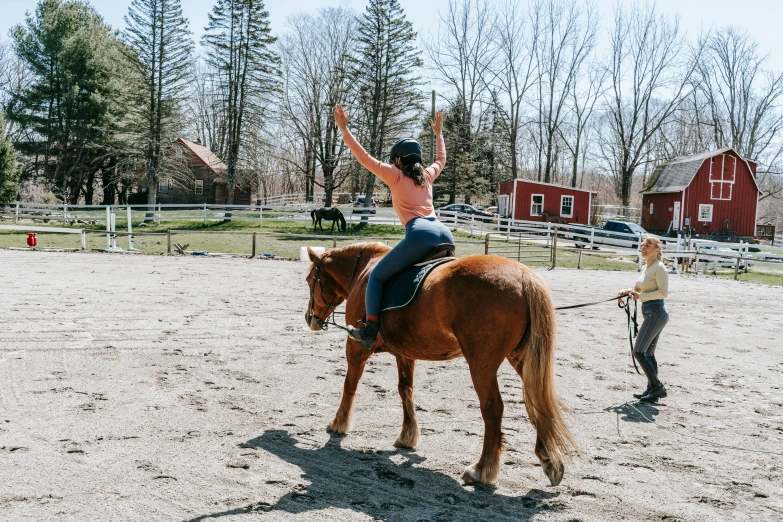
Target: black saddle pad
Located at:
point(399, 291)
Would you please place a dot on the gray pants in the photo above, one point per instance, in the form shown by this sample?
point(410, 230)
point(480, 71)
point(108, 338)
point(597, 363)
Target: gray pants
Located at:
point(655, 318)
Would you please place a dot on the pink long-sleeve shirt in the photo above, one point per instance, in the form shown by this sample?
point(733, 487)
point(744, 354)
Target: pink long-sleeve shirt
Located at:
point(408, 199)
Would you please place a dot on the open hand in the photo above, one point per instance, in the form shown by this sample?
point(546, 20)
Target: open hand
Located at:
point(437, 125)
point(340, 117)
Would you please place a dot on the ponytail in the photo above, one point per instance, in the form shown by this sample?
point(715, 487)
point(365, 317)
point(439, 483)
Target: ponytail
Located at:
point(414, 170)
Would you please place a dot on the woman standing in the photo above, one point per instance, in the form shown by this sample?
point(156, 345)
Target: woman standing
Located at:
point(411, 188)
point(651, 288)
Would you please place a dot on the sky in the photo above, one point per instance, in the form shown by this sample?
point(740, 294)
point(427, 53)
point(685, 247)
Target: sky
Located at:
point(761, 18)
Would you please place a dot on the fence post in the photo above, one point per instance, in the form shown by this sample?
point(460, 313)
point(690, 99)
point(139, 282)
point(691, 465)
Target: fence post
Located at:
point(519, 247)
point(16, 214)
point(736, 265)
point(486, 244)
point(334, 241)
point(205, 213)
point(84, 240)
point(592, 237)
point(579, 262)
point(554, 250)
point(261, 216)
point(65, 213)
point(130, 228)
point(254, 246)
point(108, 227)
point(168, 234)
point(159, 211)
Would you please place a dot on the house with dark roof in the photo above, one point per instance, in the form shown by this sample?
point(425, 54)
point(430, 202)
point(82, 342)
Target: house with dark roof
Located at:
point(206, 182)
point(703, 193)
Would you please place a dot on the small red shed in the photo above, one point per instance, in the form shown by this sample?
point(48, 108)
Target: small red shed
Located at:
point(701, 192)
point(528, 200)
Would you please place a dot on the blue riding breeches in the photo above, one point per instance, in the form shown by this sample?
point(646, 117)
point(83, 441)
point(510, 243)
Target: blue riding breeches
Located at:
point(422, 235)
point(655, 318)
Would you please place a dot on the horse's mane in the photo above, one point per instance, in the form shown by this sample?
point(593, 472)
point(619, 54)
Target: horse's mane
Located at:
point(375, 248)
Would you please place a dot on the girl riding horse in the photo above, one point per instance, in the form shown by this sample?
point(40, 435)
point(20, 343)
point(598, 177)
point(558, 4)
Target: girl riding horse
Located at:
point(411, 188)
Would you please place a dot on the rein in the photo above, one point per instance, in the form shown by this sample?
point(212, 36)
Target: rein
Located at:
point(317, 279)
point(624, 302)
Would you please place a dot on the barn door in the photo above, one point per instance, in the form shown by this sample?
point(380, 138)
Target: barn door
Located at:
point(676, 219)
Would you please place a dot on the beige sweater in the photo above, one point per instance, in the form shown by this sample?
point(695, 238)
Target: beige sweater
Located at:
point(653, 282)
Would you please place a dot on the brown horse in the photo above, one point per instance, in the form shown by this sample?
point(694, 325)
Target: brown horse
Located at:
point(509, 316)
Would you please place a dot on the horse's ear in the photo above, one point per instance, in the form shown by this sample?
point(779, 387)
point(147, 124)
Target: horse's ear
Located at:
point(313, 256)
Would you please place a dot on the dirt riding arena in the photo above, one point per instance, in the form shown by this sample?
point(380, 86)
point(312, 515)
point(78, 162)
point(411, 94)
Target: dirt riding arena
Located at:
point(171, 388)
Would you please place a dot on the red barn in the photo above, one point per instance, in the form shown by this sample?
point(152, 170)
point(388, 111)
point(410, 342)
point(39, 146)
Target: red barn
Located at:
point(527, 200)
point(702, 192)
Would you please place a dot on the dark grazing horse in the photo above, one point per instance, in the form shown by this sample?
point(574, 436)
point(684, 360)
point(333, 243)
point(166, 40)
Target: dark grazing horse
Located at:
point(332, 214)
point(515, 322)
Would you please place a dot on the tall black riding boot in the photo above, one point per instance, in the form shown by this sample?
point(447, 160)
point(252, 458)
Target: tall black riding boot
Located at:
point(656, 389)
point(649, 385)
point(366, 335)
point(656, 392)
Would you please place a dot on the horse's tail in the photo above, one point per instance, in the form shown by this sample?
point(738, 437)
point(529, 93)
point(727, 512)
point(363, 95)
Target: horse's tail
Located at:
point(342, 219)
point(312, 216)
point(537, 359)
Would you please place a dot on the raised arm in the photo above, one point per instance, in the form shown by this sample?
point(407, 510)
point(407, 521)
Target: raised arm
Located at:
point(387, 173)
point(435, 169)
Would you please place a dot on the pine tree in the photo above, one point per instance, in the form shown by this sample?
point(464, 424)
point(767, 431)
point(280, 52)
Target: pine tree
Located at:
point(159, 37)
point(385, 69)
point(66, 107)
point(239, 42)
point(9, 173)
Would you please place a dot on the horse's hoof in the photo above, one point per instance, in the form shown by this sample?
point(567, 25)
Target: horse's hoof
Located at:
point(555, 471)
point(337, 427)
point(405, 443)
point(471, 475)
point(407, 439)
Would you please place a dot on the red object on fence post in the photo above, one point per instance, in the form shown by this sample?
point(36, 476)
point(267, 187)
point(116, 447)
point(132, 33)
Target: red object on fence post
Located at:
point(32, 240)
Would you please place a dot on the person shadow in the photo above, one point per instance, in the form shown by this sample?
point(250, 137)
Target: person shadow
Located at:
point(640, 411)
point(386, 485)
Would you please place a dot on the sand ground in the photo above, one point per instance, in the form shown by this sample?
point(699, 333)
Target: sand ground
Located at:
point(171, 388)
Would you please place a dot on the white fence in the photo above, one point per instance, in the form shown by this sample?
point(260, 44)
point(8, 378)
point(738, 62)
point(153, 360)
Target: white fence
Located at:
point(703, 252)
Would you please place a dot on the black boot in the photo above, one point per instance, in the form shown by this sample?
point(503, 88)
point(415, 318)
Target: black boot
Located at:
point(642, 394)
point(656, 393)
point(649, 370)
point(366, 335)
point(649, 386)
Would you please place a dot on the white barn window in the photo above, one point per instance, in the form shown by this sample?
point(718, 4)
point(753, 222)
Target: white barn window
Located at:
point(566, 206)
point(199, 187)
point(705, 213)
point(722, 175)
point(536, 204)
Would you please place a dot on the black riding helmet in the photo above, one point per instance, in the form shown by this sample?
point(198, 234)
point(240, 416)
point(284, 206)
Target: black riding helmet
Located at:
point(407, 149)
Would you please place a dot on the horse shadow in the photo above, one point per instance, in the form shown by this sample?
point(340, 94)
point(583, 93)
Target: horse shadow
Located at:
point(373, 483)
point(641, 411)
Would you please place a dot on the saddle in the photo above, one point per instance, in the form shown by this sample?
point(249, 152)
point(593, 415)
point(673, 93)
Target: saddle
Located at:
point(399, 291)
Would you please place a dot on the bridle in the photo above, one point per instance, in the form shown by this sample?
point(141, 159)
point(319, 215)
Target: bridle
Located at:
point(329, 306)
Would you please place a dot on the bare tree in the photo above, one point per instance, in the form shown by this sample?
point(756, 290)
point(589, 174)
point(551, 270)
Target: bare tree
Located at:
point(743, 99)
point(515, 70)
point(462, 52)
point(583, 96)
point(567, 39)
point(315, 74)
point(648, 82)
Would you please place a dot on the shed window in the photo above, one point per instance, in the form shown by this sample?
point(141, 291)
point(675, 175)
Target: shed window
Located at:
point(566, 206)
point(705, 213)
point(537, 205)
point(163, 186)
point(723, 171)
point(199, 187)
